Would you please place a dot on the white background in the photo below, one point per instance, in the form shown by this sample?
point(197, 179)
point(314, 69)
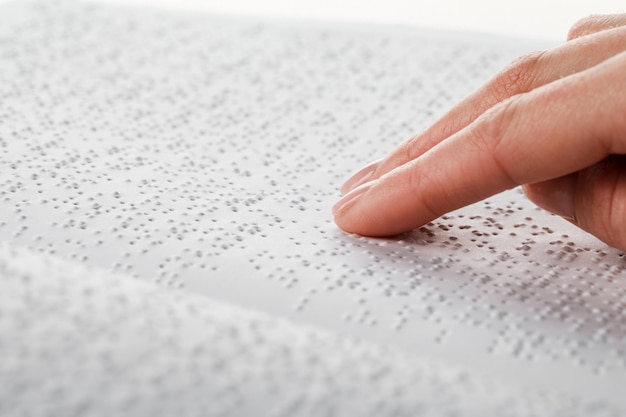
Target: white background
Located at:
point(543, 19)
point(547, 19)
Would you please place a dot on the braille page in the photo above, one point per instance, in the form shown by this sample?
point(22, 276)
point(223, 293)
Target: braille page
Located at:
point(203, 153)
point(91, 343)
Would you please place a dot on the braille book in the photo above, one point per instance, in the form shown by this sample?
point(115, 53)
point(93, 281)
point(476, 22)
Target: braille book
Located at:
point(168, 247)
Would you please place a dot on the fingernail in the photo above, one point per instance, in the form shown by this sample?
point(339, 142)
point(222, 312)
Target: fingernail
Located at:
point(351, 198)
point(360, 177)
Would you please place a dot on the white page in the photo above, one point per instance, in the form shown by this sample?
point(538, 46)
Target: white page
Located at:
point(80, 341)
point(205, 152)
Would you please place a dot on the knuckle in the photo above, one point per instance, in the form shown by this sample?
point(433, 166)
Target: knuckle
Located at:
point(517, 77)
point(411, 149)
point(490, 135)
point(432, 204)
point(582, 27)
point(406, 151)
point(489, 129)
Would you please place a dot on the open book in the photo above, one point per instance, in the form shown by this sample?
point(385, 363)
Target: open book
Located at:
point(168, 246)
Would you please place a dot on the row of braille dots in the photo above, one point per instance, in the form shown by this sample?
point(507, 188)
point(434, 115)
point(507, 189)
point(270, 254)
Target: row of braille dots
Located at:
point(567, 253)
point(117, 195)
point(538, 346)
point(395, 259)
point(551, 313)
point(576, 318)
point(138, 218)
point(543, 315)
point(525, 344)
point(330, 279)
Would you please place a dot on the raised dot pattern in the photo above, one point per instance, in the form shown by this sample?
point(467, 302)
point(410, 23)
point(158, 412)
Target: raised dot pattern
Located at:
point(99, 344)
point(204, 153)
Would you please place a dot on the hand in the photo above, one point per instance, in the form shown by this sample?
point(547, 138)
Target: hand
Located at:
point(553, 121)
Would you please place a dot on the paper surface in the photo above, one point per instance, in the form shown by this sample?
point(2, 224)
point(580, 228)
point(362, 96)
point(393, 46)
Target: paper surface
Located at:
point(202, 154)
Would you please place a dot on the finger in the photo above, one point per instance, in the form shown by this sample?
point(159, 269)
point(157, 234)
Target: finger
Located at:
point(600, 201)
point(524, 75)
point(554, 195)
point(593, 198)
point(594, 24)
point(547, 133)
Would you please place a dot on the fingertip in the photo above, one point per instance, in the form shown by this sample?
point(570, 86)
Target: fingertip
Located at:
point(375, 209)
point(357, 212)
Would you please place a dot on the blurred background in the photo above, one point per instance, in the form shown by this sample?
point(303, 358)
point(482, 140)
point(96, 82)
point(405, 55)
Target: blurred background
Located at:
point(538, 19)
point(543, 19)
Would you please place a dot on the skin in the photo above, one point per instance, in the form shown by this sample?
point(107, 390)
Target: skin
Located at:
point(552, 121)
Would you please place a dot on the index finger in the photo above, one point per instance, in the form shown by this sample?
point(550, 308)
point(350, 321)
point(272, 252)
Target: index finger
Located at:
point(549, 132)
point(523, 75)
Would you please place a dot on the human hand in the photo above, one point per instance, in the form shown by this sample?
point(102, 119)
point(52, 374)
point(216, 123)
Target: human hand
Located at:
point(553, 121)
